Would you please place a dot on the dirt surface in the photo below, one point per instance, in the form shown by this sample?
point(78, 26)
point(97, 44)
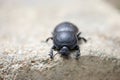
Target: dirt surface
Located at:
point(25, 24)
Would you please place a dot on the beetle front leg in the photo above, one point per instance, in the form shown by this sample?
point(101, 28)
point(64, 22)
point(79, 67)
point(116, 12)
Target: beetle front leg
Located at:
point(78, 34)
point(78, 52)
point(49, 39)
point(81, 38)
point(51, 52)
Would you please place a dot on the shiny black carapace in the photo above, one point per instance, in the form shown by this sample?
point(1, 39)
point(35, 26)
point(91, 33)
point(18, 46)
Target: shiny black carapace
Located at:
point(65, 38)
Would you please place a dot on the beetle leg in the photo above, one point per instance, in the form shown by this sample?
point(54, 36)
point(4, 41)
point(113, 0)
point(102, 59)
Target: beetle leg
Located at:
point(78, 52)
point(51, 52)
point(49, 39)
point(78, 34)
point(82, 38)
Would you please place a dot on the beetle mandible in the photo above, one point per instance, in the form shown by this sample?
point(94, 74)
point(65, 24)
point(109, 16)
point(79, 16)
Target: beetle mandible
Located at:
point(65, 38)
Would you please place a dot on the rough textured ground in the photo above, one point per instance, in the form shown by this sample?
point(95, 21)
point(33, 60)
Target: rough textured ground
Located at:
point(25, 24)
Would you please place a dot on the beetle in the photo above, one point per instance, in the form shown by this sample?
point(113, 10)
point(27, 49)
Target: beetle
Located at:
point(65, 39)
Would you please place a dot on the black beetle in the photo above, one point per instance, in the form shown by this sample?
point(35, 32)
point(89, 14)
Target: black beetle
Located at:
point(65, 38)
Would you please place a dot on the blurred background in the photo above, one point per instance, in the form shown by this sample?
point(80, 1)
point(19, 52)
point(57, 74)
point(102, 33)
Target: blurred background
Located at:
point(28, 22)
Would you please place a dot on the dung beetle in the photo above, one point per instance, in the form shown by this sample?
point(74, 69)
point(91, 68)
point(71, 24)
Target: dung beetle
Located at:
point(65, 39)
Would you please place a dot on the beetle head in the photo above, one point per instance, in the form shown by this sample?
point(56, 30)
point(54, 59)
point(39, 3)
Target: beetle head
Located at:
point(64, 51)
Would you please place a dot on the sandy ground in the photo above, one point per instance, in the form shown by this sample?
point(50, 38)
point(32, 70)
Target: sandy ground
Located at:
point(25, 24)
